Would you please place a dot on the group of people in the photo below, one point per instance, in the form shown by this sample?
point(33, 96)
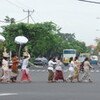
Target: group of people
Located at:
point(9, 73)
point(55, 70)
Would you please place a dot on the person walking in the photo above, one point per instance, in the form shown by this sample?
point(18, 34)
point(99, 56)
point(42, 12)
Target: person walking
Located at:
point(71, 69)
point(25, 68)
point(59, 70)
point(86, 75)
point(76, 69)
point(5, 68)
point(14, 67)
point(51, 65)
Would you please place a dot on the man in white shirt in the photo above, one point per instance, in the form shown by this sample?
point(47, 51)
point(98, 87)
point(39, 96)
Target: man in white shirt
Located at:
point(51, 65)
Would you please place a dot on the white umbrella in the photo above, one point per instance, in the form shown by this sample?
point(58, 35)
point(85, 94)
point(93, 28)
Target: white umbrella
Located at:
point(2, 38)
point(21, 40)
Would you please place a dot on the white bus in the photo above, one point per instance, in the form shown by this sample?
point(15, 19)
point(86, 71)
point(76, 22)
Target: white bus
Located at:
point(67, 53)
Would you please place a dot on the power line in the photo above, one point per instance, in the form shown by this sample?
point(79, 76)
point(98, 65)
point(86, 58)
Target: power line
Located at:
point(15, 21)
point(29, 15)
point(24, 5)
point(28, 11)
point(18, 4)
point(25, 18)
point(2, 21)
point(20, 19)
point(90, 1)
point(14, 4)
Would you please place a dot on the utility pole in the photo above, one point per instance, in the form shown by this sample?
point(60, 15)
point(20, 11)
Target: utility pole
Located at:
point(29, 15)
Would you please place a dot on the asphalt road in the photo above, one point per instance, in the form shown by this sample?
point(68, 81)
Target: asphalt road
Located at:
point(40, 89)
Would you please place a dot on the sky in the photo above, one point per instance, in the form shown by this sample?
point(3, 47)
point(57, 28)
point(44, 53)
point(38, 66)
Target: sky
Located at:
point(73, 16)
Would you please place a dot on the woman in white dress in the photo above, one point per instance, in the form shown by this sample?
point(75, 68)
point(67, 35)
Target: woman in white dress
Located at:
point(71, 69)
point(5, 68)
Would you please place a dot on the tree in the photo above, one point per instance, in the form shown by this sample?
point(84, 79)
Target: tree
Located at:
point(41, 36)
point(67, 36)
point(44, 39)
point(71, 43)
point(97, 49)
point(10, 20)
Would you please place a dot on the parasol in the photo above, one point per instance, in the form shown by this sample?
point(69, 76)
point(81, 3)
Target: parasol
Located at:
point(20, 40)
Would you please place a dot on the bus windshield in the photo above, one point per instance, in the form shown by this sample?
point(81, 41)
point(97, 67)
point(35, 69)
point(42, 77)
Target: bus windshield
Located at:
point(67, 53)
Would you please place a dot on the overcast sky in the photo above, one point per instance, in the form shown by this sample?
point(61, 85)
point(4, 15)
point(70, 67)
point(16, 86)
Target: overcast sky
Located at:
point(73, 16)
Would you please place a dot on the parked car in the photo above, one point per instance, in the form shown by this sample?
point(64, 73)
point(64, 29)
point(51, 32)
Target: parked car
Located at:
point(94, 59)
point(40, 61)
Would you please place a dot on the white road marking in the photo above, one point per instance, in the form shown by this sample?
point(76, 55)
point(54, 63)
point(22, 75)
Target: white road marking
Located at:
point(43, 70)
point(92, 70)
point(63, 70)
point(8, 94)
point(97, 71)
point(38, 70)
point(32, 70)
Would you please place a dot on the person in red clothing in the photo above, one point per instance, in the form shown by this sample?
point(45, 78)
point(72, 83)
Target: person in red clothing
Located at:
point(14, 67)
point(25, 77)
point(59, 70)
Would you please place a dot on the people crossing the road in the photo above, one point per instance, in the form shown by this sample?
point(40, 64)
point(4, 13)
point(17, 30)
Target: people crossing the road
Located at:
point(64, 71)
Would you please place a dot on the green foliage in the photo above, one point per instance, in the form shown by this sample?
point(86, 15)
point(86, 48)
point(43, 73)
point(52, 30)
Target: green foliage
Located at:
point(10, 20)
point(72, 43)
point(97, 49)
point(44, 39)
point(67, 36)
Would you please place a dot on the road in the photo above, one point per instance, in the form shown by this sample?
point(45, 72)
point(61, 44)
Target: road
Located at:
point(40, 89)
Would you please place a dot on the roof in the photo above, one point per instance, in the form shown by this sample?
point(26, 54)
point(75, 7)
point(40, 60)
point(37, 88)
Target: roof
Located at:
point(92, 46)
